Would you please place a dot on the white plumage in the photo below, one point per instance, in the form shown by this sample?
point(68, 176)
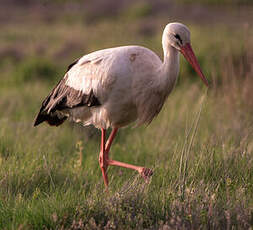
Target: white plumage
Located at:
point(116, 77)
point(114, 87)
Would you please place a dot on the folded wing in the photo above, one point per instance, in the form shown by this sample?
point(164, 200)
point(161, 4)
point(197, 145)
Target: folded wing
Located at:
point(64, 97)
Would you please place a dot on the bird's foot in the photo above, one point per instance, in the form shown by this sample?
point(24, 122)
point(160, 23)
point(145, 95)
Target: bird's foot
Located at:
point(146, 173)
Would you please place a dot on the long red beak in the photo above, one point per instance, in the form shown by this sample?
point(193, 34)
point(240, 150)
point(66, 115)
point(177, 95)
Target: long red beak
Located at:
point(189, 55)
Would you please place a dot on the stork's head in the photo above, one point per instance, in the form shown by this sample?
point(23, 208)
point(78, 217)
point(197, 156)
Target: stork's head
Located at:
point(178, 36)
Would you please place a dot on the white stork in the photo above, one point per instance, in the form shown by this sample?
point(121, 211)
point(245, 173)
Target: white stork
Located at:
point(117, 86)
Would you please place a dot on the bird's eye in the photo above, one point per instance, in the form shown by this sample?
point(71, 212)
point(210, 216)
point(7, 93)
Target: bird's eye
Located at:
point(178, 38)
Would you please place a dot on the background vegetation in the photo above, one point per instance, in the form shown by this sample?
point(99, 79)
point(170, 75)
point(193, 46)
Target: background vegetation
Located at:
point(200, 146)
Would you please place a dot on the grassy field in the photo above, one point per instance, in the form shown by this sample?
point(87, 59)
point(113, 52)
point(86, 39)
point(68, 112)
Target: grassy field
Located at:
point(200, 146)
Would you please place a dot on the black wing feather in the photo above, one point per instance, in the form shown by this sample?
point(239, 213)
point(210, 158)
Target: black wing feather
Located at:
point(63, 97)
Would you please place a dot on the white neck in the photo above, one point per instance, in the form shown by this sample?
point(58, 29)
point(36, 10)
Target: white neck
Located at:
point(169, 70)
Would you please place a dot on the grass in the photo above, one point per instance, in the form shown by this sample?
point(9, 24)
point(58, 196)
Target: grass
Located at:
point(200, 146)
point(43, 184)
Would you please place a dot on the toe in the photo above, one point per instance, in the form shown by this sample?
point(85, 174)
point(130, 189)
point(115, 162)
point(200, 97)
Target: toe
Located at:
point(146, 173)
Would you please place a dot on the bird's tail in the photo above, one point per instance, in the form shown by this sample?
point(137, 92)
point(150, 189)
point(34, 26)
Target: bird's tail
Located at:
point(51, 119)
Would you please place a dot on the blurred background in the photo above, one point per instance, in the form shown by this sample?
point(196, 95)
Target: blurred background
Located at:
point(40, 168)
point(40, 38)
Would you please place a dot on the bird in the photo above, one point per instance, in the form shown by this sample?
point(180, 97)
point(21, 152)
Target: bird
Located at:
point(114, 87)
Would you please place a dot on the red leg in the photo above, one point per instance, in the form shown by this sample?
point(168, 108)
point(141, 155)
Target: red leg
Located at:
point(102, 160)
point(109, 142)
point(144, 172)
